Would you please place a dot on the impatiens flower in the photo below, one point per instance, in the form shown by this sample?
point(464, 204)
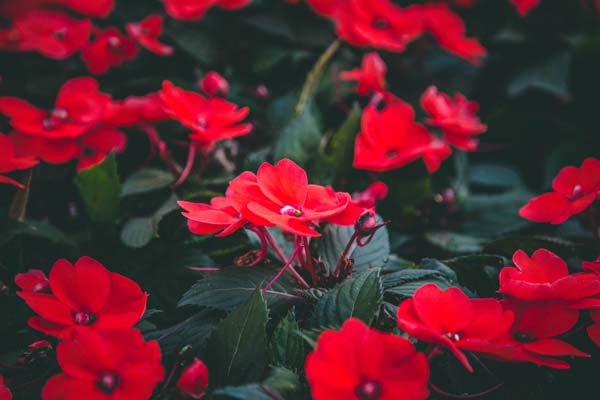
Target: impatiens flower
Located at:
point(116, 364)
point(134, 110)
point(96, 8)
point(146, 33)
point(5, 393)
point(85, 295)
point(217, 216)
point(210, 119)
point(194, 380)
point(195, 9)
point(525, 6)
point(279, 195)
point(51, 33)
point(575, 189)
point(79, 105)
point(11, 161)
point(449, 318)
point(456, 117)
point(326, 8)
point(360, 363)
point(33, 281)
point(592, 266)
point(391, 138)
point(449, 31)
point(545, 276)
point(368, 197)
point(213, 84)
point(108, 49)
point(378, 23)
point(370, 76)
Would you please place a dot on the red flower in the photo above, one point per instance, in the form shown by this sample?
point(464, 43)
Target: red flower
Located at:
point(11, 161)
point(96, 8)
point(448, 317)
point(194, 380)
point(280, 195)
point(85, 295)
point(391, 139)
point(575, 189)
point(146, 33)
point(116, 364)
point(326, 8)
point(33, 281)
point(378, 23)
point(525, 6)
point(4, 391)
point(368, 197)
point(592, 266)
point(51, 33)
point(214, 84)
point(79, 105)
point(449, 31)
point(134, 110)
point(359, 363)
point(205, 219)
point(211, 119)
point(456, 117)
point(195, 9)
point(544, 277)
point(370, 76)
point(109, 49)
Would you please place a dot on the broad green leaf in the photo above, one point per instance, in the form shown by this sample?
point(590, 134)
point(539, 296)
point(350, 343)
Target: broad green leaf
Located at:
point(196, 42)
point(358, 297)
point(287, 347)
point(37, 229)
point(280, 380)
point(254, 391)
point(237, 349)
point(455, 242)
point(340, 149)
point(139, 231)
point(300, 138)
point(146, 180)
point(478, 272)
point(550, 75)
point(508, 245)
point(494, 175)
point(99, 188)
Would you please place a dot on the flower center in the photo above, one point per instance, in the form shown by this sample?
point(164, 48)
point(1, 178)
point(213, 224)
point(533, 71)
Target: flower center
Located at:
point(577, 192)
point(380, 23)
point(39, 287)
point(60, 34)
point(523, 337)
point(114, 42)
point(290, 211)
point(202, 123)
point(391, 153)
point(59, 113)
point(108, 382)
point(83, 318)
point(454, 336)
point(368, 390)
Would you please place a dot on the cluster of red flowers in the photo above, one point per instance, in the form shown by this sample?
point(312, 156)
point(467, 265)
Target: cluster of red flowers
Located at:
point(575, 189)
point(195, 9)
point(372, 365)
point(384, 25)
point(85, 124)
point(391, 138)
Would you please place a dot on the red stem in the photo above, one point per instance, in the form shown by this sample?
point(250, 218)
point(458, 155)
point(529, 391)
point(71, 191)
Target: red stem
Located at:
point(277, 250)
point(285, 266)
point(188, 166)
point(465, 396)
point(345, 253)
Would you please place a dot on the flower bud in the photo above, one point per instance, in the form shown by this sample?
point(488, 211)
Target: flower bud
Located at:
point(33, 281)
point(214, 84)
point(194, 380)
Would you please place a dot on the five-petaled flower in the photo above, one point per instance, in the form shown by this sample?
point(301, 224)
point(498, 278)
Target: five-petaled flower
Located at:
point(10, 161)
point(370, 76)
point(109, 49)
point(146, 33)
point(195, 9)
point(361, 363)
point(85, 295)
point(5, 393)
point(116, 364)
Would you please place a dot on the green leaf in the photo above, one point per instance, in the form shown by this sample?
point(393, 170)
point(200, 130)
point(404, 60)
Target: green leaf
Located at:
point(237, 348)
point(300, 138)
point(551, 75)
point(454, 242)
point(358, 297)
point(37, 229)
point(287, 347)
point(99, 188)
point(494, 175)
point(403, 283)
point(146, 180)
point(252, 391)
point(139, 231)
point(508, 245)
point(335, 237)
point(227, 288)
point(282, 379)
point(279, 380)
point(478, 272)
point(196, 42)
point(287, 246)
point(340, 150)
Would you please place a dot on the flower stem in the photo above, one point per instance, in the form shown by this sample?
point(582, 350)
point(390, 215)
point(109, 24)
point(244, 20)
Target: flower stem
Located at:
point(163, 151)
point(18, 207)
point(287, 265)
point(283, 258)
point(345, 253)
point(188, 166)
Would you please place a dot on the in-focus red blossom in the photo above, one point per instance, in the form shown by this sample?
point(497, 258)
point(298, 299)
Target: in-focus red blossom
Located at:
point(53, 34)
point(194, 380)
point(85, 295)
point(449, 318)
point(79, 105)
point(391, 138)
point(195, 9)
point(368, 197)
point(213, 84)
point(448, 29)
point(210, 119)
point(455, 116)
point(11, 161)
point(33, 281)
point(545, 276)
point(116, 364)
point(146, 33)
point(358, 363)
point(592, 266)
point(575, 189)
point(134, 110)
point(525, 6)
point(5, 393)
point(109, 48)
point(96, 8)
point(219, 215)
point(370, 76)
point(378, 23)
point(279, 195)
